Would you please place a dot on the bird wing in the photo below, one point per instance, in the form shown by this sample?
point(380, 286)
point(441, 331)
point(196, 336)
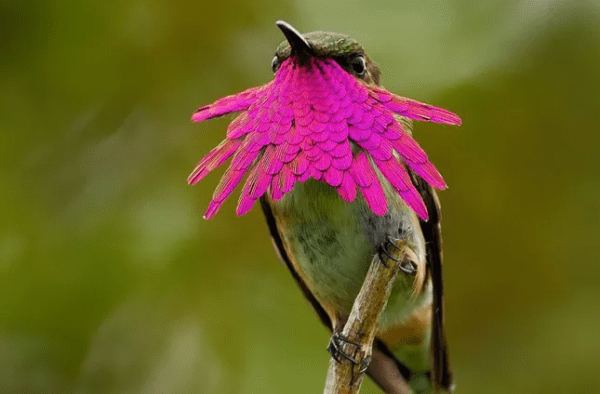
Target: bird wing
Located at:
point(432, 232)
point(441, 374)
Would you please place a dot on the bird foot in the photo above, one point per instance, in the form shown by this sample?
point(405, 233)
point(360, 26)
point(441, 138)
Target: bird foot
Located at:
point(407, 266)
point(336, 346)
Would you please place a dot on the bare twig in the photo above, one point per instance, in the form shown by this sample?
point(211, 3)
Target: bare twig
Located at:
point(345, 377)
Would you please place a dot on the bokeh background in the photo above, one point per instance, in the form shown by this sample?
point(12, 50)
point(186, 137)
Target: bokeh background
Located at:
point(110, 281)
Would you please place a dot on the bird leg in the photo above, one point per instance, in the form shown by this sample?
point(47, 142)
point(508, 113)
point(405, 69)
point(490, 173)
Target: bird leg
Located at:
point(336, 347)
point(407, 266)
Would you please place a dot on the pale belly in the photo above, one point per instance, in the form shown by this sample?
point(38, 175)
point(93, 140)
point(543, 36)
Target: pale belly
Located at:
point(332, 243)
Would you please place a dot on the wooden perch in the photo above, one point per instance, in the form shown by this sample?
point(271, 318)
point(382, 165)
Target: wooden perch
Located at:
point(345, 377)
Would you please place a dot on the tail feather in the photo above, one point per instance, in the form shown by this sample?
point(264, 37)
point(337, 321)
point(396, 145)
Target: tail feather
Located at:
point(389, 373)
point(441, 373)
point(394, 377)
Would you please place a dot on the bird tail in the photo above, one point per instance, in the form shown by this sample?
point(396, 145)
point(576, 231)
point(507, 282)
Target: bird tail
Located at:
point(394, 376)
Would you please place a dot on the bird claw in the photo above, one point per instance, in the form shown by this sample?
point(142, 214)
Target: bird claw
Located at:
point(393, 242)
point(335, 348)
point(407, 266)
point(383, 255)
point(364, 364)
point(384, 252)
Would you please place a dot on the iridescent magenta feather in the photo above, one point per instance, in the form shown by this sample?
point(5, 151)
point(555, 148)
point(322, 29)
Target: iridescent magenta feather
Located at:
point(303, 125)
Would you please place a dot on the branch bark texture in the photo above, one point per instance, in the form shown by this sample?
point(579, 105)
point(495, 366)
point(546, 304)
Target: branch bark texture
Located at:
point(345, 377)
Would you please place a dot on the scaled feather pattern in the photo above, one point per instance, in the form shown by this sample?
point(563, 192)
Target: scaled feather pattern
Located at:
point(315, 120)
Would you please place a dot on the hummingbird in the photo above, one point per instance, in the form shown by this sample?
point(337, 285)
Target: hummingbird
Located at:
point(330, 155)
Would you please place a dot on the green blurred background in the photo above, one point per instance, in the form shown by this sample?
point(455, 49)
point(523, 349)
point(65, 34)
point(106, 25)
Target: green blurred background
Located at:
point(110, 281)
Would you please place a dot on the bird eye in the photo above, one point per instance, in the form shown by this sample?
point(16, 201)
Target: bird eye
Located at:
point(359, 65)
point(275, 63)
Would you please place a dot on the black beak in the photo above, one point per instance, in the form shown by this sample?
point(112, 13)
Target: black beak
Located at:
point(300, 47)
